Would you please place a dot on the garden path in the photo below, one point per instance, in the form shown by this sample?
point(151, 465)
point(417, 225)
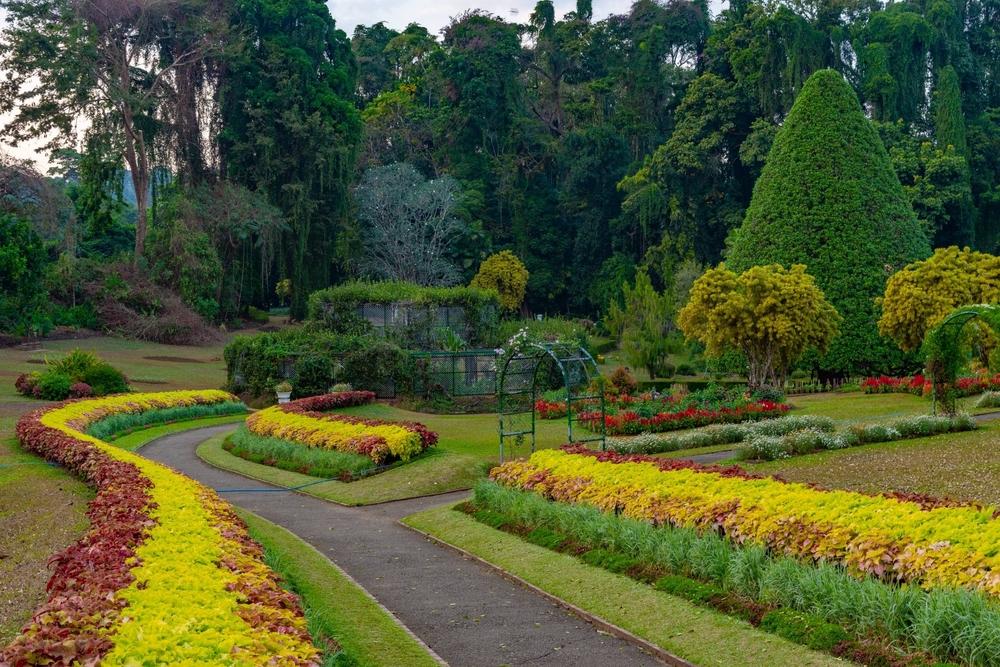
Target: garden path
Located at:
point(467, 614)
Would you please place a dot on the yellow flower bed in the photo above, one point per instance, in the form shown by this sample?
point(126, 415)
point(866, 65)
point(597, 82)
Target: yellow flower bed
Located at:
point(188, 603)
point(377, 441)
point(944, 546)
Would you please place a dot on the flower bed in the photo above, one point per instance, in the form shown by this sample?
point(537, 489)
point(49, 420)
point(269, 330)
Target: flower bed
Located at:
point(629, 422)
point(916, 385)
point(904, 538)
point(302, 422)
point(166, 574)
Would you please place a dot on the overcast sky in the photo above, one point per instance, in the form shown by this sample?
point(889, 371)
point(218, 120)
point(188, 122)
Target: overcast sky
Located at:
point(398, 14)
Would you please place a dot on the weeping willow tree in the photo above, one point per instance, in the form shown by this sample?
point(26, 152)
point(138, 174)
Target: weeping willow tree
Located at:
point(292, 131)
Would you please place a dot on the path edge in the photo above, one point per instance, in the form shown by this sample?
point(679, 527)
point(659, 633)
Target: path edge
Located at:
point(661, 654)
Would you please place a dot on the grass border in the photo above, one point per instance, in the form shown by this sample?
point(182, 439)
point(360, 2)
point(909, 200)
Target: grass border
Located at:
point(134, 441)
point(693, 633)
point(366, 631)
point(210, 451)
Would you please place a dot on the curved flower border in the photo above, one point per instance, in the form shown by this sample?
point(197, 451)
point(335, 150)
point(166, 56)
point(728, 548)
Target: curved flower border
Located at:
point(900, 537)
point(166, 573)
point(304, 422)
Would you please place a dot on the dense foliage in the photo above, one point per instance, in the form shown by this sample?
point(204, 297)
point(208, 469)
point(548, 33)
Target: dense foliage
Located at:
point(79, 374)
point(828, 199)
point(922, 294)
point(587, 146)
point(504, 274)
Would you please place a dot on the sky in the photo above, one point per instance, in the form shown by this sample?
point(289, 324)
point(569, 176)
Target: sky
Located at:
point(397, 14)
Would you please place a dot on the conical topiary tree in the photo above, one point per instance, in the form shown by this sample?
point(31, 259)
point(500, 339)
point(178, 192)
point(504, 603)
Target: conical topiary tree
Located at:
point(829, 198)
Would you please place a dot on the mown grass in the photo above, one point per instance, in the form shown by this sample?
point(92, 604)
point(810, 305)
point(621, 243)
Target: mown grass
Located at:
point(437, 472)
point(334, 605)
point(702, 636)
point(42, 512)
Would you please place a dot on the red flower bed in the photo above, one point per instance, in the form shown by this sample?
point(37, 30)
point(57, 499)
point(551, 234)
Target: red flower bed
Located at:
point(342, 399)
point(550, 410)
point(915, 385)
point(72, 625)
point(630, 423)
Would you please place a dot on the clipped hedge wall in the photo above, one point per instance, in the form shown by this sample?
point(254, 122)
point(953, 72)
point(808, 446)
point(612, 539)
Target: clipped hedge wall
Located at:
point(335, 308)
point(254, 363)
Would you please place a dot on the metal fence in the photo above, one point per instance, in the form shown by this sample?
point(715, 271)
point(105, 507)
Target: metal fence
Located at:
point(466, 373)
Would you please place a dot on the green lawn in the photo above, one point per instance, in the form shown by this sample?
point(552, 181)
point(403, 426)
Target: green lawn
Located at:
point(41, 514)
point(702, 636)
point(335, 605)
point(438, 472)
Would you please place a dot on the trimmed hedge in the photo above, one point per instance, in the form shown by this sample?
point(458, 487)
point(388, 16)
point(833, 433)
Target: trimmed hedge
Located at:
point(335, 308)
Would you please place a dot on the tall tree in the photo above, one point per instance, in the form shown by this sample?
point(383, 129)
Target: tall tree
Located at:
point(98, 59)
point(828, 198)
point(949, 119)
point(291, 130)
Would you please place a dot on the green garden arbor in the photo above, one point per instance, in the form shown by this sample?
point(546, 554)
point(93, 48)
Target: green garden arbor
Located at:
point(944, 351)
point(518, 393)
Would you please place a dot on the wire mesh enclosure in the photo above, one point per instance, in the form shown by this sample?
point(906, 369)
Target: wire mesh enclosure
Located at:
point(533, 369)
point(424, 324)
point(466, 373)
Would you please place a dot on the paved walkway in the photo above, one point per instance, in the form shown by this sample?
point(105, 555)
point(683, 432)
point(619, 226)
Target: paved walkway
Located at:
point(436, 593)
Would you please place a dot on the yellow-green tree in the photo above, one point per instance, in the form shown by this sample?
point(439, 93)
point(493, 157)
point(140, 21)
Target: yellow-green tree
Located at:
point(769, 313)
point(924, 293)
point(505, 274)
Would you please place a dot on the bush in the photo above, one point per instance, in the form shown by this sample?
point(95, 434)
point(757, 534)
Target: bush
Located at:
point(258, 315)
point(26, 383)
point(763, 448)
point(54, 387)
point(80, 390)
point(313, 376)
point(685, 369)
point(380, 366)
point(623, 381)
point(105, 379)
point(75, 364)
point(989, 399)
point(254, 364)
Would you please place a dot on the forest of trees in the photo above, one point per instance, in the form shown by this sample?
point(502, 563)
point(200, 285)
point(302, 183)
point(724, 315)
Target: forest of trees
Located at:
point(590, 148)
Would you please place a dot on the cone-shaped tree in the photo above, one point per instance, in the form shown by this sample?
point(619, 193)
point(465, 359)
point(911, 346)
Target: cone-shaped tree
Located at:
point(829, 198)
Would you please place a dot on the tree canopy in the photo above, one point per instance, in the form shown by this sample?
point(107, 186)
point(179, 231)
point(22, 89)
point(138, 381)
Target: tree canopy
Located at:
point(770, 314)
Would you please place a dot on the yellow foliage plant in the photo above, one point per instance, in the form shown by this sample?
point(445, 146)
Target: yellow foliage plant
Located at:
point(504, 274)
point(922, 294)
point(897, 539)
point(769, 313)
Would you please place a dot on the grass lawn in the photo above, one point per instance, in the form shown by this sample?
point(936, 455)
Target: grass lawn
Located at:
point(335, 605)
point(42, 512)
point(173, 367)
point(437, 472)
point(699, 635)
point(958, 465)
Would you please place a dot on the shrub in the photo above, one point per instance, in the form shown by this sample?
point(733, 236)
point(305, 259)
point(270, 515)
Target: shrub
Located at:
point(828, 175)
point(258, 315)
point(504, 274)
point(341, 387)
point(623, 381)
point(54, 387)
point(75, 364)
point(105, 379)
point(26, 383)
point(313, 375)
point(685, 369)
point(380, 366)
point(989, 399)
point(80, 390)
point(763, 448)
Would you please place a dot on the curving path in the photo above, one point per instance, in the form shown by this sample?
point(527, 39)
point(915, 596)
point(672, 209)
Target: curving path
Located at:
point(467, 614)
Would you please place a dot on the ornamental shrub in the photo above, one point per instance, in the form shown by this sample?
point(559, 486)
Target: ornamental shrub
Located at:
point(828, 198)
point(381, 365)
point(313, 375)
point(504, 274)
point(105, 379)
point(80, 390)
point(54, 387)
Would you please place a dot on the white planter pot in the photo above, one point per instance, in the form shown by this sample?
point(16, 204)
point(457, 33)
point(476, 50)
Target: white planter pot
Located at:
point(284, 396)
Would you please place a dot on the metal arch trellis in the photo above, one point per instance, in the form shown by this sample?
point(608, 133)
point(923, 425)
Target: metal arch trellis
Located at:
point(517, 393)
point(941, 350)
